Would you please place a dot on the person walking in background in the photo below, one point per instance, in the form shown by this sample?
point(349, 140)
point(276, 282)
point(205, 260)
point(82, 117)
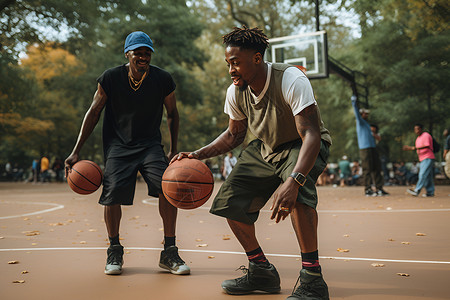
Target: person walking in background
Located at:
point(370, 160)
point(228, 163)
point(446, 153)
point(424, 149)
point(134, 96)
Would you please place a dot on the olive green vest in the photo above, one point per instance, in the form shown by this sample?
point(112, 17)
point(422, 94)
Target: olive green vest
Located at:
point(271, 120)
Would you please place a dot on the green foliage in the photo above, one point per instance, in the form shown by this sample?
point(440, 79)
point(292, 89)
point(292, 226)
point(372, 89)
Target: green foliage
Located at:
point(403, 48)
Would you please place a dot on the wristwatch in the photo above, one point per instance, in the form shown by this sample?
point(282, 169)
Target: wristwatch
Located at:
point(299, 178)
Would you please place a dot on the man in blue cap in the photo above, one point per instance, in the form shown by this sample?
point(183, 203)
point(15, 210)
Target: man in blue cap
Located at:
point(133, 96)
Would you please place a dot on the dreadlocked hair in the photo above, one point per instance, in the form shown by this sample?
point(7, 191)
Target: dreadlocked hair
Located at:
point(247, 38)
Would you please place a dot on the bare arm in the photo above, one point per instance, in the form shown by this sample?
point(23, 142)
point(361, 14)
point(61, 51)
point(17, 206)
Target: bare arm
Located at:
point(89, 122)
point(227, 141)
point(308, 127)
point(173, 122)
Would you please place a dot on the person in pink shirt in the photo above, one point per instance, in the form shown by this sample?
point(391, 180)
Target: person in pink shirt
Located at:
point(424, 148)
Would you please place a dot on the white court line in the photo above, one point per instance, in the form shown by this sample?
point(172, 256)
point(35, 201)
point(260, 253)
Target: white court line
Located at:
point(236, 252)
point(57, 206)
point(153, 201)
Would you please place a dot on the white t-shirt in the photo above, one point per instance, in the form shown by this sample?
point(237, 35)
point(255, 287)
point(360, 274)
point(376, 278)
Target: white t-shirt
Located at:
point(296, 88)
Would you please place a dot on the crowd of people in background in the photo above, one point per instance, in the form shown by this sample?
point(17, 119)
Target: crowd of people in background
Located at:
point(346, 173)
point(41, 170)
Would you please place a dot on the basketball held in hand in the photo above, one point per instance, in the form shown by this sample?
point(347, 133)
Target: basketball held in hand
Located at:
point(85, 177)
point(187, 183)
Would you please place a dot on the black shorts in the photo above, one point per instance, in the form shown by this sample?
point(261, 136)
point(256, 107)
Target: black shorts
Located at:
point(253, 180)
point(121, 167)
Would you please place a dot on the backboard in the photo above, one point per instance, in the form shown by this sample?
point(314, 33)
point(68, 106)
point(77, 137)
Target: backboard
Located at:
point(307, 51)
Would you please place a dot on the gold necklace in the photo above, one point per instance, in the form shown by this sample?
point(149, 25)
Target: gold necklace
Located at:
point(135, 84)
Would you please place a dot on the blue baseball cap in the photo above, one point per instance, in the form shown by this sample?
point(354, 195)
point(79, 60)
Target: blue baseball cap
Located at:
point(137, 39)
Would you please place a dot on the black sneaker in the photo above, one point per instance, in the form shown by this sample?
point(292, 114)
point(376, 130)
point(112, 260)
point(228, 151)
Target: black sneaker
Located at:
point(114, 261)
point(370, 193)
point(256, 278)
point(170, 260)
point(382, 192)
point(312, 287)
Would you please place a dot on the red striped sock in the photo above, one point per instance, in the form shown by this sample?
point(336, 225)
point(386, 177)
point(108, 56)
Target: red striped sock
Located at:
point(310, 261)
point(257, 256)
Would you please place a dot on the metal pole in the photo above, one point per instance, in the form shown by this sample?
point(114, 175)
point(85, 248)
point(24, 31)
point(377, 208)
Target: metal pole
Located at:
point(317, 16)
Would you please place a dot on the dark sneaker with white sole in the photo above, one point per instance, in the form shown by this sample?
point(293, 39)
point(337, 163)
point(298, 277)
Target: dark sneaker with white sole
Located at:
point(114, 261)
point(382, 193)
point(256, 278)
point(312, 287)
point(170, 260)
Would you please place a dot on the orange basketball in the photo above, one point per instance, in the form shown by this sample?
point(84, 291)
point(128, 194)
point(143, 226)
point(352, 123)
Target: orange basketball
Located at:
point(85, 177)
point(187, 183)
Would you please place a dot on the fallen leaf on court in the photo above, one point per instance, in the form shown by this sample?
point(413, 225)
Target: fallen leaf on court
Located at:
point(420, 234)
point(135, 218)
point(202, 245)
point(121, 239)
point(13, 262)
point(403, 274)
point(31, 233)
point(1, 238)
point(83, 242)
point(346, 235)
point(92, 230)
point(226, 237)
point(19, 281)
point(211, 256)
point(25, 272)
point(127, 252)
point(391, 240)
point(342, 250)
point(26, 219)
point(361, 240)
point(198, 240)
point(80, 230)
point(388, 208)
point(377, 265)
point(268, 238)
point(406, 243)
point(161, 229)
point(56, 224)
point(201, 222)
point(33, 244)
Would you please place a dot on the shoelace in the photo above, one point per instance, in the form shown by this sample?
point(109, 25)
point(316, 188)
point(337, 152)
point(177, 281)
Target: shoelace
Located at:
point(243, 269)
point(295, 286)
point(114, 258)
point(243, 278)
point(173, 256)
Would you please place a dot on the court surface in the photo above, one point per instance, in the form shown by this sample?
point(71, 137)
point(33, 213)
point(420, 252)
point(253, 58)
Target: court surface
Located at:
point(394, 247)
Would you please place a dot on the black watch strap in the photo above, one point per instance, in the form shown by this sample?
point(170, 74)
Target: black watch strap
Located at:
point(299, 178)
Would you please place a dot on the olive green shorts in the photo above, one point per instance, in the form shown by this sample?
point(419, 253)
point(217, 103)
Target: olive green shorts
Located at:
point(252, 182)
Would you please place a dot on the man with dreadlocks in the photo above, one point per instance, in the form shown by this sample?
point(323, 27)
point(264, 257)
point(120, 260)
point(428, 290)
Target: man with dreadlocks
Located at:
point(276, 102)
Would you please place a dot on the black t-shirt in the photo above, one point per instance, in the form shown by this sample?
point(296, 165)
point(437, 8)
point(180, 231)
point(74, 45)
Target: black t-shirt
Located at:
point(133, 117)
